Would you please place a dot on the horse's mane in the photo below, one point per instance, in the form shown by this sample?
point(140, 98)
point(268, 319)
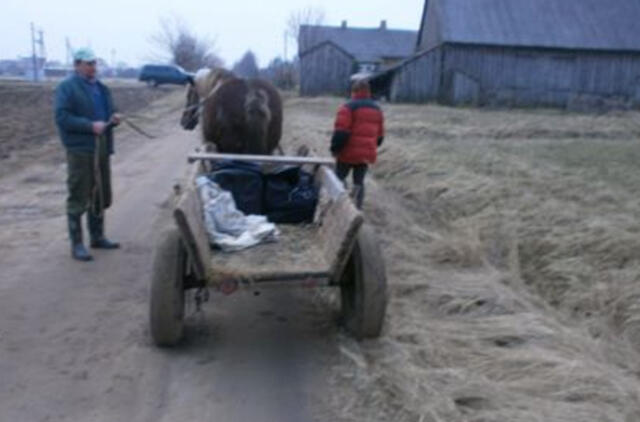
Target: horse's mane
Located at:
point(206, 80)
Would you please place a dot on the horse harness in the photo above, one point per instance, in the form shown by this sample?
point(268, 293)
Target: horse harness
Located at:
point(198, 106)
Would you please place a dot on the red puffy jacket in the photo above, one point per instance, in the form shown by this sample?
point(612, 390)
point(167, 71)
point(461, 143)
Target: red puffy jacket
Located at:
point(358, 131)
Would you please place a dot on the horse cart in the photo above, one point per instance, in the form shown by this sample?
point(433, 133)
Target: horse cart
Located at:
point(339, 249)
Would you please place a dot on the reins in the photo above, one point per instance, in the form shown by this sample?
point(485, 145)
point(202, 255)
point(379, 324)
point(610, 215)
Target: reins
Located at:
point(204, 100)
point(136, 128)
point(100, 148)
point(97, 195)
point(200, 103)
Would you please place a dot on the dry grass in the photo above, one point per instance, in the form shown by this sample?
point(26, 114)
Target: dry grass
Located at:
point(513, 259)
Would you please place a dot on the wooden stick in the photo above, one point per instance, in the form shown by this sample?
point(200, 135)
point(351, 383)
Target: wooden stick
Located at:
point(279, 159)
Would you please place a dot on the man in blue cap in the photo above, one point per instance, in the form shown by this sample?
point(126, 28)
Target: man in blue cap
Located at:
point(85, 116)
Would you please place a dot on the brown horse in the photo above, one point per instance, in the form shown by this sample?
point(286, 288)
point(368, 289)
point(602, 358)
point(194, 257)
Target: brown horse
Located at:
point(238, 115)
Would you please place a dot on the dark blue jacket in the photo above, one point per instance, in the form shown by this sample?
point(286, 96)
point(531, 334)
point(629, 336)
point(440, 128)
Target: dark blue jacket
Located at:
point(75, 112)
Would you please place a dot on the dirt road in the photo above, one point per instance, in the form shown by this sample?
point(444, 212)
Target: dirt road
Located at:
point(74, 342)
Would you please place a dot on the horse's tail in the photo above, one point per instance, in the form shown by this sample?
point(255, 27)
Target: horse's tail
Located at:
point(258, 116)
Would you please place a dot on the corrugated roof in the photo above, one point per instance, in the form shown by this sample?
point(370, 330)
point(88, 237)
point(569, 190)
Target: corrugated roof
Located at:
point(574, 24)
point(365, 44)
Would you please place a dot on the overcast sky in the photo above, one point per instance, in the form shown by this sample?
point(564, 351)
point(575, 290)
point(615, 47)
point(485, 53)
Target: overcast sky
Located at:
point(124, 27)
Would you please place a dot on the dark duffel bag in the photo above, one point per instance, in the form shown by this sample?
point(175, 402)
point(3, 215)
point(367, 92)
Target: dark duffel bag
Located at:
point(244, 181)
point(290, 196)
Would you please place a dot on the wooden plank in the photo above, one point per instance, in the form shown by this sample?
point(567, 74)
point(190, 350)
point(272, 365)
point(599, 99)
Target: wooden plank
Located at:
point(340, 225)
point(297, 254)
point(340, 221)
point(327, 179)
point(281, 278)
point(289, 281)
point(190, 221)
point(277, 159)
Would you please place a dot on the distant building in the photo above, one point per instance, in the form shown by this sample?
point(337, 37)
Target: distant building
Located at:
point(23, 67)
point(567, 53)
point(55, 70)
point(330, 55)
point(11, 68)
point(30, 72)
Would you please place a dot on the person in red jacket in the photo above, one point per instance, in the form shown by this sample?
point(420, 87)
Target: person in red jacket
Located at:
point(358, 132)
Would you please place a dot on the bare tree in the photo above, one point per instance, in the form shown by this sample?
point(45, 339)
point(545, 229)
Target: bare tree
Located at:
point(309, 15)
point(247, 66)
point(281, 73)
point(179, 45)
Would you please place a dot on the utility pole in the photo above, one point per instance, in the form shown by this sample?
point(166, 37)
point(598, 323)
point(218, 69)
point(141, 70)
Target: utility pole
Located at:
point(43, 50)
point(285, 45)
point(69, 52)
point(33, 55)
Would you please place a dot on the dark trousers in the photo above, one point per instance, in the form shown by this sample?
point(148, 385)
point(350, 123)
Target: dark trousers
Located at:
point(83, 193)
point(359, 171)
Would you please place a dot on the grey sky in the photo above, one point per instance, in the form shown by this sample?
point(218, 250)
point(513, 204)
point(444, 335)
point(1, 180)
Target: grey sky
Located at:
point(126, 26)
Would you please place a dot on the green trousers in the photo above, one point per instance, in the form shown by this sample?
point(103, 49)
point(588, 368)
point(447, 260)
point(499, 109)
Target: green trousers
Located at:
point(82, 182)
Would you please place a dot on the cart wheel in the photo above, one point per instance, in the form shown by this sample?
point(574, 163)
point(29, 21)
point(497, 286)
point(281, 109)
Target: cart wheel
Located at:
point(363, 287)
point(167, 291)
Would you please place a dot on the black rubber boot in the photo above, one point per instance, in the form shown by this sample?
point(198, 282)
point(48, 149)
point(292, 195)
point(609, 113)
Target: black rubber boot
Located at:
point(96, 231)
point(78, 251)
point(357, 194)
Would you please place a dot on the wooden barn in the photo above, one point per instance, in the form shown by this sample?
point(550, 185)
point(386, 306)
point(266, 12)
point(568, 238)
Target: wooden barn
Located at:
point(330, 55)
point(563, 53)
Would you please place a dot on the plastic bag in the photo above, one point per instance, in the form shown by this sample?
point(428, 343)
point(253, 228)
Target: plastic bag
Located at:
point(227, 227)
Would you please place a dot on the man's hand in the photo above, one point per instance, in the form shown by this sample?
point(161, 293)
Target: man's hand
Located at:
point(98, 127)
point(116, 118)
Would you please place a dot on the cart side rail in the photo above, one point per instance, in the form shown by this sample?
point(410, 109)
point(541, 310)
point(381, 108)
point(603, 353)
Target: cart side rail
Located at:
point(340, 222)
point(190, 221)
point(269, 159)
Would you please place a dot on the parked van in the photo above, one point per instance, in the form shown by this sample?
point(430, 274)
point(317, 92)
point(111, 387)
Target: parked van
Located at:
point(154, 75)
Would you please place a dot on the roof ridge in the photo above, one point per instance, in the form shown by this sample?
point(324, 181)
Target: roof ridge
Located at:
point(376, 28)
point(577, 24)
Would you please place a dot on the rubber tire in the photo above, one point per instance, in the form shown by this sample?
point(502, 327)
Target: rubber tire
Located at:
point(166, 306)
point(363, 287)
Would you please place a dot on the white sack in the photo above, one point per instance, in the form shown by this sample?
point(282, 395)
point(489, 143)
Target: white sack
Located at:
point(227, 226)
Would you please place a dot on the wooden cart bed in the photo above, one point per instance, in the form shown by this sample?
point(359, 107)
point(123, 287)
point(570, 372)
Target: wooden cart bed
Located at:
point(317, 251)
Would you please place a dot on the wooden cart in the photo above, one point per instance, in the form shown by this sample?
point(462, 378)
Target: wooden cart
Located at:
point(339, 249)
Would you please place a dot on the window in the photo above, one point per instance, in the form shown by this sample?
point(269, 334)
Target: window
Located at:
point(367, 67)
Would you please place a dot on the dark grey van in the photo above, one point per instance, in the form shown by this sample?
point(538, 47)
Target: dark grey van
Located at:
point(157, 74)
